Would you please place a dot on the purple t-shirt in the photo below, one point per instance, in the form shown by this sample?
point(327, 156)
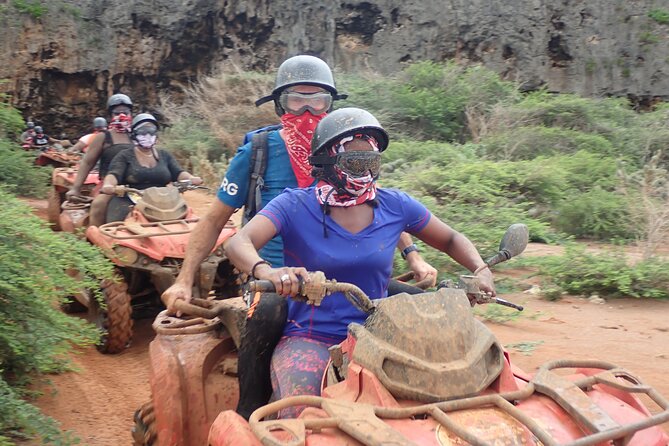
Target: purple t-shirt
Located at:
point(364, 259)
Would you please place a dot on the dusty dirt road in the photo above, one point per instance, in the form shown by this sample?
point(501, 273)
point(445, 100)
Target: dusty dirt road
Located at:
point(97, 403)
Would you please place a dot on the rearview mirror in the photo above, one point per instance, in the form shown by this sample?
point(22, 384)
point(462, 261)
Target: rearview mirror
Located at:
point(515, 240)
point(513, 243)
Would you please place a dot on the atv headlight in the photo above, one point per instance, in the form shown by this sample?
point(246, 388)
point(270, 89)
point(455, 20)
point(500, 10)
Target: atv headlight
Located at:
point(126, 255)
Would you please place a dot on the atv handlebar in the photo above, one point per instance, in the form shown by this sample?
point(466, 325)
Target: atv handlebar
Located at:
point(314, 291)
point(182, 186)
point(470, 285)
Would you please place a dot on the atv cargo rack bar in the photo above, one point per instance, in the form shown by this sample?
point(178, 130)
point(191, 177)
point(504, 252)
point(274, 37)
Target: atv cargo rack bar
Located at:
point(122, 230)
point(364, 422)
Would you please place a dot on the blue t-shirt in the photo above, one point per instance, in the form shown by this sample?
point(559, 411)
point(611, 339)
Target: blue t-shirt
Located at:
point(278, 176)
point(364, 259)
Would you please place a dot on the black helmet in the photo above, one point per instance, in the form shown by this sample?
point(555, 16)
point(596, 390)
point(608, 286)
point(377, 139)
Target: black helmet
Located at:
point(302, 70)
point(30, 125)
point(39, 129)
point(343, 122)
point(99, 122)
point(142, 118)
point(118, 99)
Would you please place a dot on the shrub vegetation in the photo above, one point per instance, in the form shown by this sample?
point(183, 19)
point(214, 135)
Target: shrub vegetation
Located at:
point(35, 336)
point(478, 152)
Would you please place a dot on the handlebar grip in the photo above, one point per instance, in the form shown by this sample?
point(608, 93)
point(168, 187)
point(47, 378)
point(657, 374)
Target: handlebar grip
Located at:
point(506, 303)
point(263, 286)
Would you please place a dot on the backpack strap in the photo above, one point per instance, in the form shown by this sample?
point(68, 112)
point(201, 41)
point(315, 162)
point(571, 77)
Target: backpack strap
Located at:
point(108, 139)
point(259, 153)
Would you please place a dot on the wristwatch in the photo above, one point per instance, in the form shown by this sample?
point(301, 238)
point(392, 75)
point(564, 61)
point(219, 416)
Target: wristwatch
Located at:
point(411, 248)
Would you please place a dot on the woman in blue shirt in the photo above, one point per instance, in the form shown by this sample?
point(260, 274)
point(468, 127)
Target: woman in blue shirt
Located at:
point(346, 227)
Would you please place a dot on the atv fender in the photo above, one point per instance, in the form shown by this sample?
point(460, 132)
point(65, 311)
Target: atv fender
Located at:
point(193, 379)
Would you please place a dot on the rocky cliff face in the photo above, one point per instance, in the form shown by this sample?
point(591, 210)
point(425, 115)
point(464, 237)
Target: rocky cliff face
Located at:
point(62, 66)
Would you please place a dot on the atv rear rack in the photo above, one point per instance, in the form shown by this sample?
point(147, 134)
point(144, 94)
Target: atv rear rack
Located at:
point(121, 230)
point(364, 422)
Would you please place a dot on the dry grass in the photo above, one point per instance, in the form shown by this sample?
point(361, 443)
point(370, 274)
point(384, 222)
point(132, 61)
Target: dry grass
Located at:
point(225, 102)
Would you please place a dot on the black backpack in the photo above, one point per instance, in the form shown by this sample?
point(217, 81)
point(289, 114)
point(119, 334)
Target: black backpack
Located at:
point(259, 154)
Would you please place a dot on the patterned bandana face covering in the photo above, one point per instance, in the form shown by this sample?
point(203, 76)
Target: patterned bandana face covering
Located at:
point(352, 179)
point(298, 130)
point(120, 122)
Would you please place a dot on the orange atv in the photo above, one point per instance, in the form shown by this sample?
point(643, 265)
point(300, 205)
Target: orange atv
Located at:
point(420, 371)
point(64, 215)
point(57, 157)
point(148, 248)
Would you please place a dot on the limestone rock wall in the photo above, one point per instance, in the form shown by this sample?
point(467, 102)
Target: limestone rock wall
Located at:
point(61, 67)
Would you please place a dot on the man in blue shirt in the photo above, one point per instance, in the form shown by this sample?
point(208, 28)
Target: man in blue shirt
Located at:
point(303, 95)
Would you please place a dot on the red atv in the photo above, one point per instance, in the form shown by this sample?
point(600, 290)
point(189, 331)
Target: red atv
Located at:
point(57, 157)
point(69, 216)
point(148, 248)
point(420, 371)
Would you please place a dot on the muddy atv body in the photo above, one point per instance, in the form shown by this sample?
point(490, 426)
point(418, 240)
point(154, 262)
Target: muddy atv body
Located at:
point(394, 382)
point(422, 370)
point(53, 156)
point(196, 358)
point(148, 255)
point(74, 215)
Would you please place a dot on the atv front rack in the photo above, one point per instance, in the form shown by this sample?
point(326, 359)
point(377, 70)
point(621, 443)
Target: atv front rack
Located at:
point(364, 422)
point(121, 230)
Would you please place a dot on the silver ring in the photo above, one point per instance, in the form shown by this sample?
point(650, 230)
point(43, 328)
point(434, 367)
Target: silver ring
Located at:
point(285, 277)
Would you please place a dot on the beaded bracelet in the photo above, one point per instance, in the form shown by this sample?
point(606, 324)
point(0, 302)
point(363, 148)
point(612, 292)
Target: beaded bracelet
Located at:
point(259, 262)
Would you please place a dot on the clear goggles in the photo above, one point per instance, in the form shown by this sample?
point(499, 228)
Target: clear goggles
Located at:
point(116, 111)
point(146, 129)
point(298, 103)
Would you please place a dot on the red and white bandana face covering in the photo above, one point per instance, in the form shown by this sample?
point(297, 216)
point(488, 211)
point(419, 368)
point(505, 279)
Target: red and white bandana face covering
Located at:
point(350, 189)
point(297, 133)
point(121, 123)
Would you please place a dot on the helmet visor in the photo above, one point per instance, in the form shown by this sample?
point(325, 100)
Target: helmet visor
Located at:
point(359, 163)
point(298, 103)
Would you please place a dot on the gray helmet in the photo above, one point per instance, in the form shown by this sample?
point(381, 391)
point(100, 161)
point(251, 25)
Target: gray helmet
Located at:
point(343, 122)
point(99, 122)
point(142, 118)
point(118, 99)
point(302, 70)
point(39, 129)
point(30, 125)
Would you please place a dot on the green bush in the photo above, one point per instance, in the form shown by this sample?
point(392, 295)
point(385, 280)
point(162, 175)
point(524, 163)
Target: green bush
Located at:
point(35, 8)
point(35, 335)
point(18, 172)
point(661, 16)
point(11, 122)
point(597, 214)
point(428, 100)
point(533, 141)
point(568, 111)
point(189, 136)
point(475, 197)
point(607, 274)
